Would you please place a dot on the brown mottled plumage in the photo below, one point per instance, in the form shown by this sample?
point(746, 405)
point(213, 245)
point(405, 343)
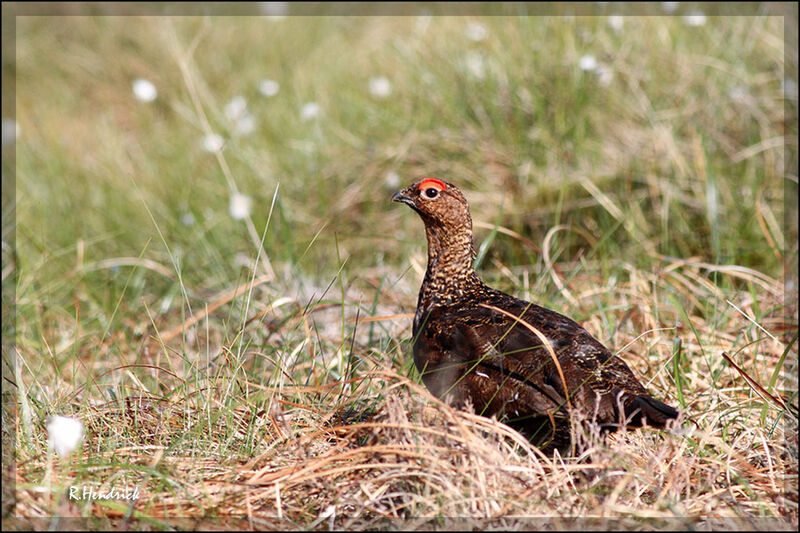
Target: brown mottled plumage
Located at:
point(465, 350)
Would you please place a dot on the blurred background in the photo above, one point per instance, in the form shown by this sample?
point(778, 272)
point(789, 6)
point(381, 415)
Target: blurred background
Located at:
point(631, 166)
point(154, 153)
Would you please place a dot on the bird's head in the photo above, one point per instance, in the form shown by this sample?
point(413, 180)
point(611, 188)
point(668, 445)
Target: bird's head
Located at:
point(438, 202)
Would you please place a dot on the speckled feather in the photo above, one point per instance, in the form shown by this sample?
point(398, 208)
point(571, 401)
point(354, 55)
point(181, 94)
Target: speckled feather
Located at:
point(467, 352)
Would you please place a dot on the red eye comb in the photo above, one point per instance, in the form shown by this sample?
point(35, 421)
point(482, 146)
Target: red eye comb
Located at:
point(430, 182)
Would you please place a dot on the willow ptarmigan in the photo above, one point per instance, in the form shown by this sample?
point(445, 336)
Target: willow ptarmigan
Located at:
point(473, 342)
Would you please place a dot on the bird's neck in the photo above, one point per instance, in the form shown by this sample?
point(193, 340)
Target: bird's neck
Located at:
point(450, 251)
point(450, 276)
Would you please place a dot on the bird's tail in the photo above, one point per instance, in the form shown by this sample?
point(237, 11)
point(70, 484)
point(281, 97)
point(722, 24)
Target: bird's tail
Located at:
point(647, 410)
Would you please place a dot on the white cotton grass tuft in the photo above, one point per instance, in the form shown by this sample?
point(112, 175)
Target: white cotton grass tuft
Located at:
point(789, 87)
point(240, 206)
point(739, 94)
point(670, 7)
point(605, 74)
point(213, 143)
point(380, 87)
point(64, 434)
point(476, 31)
point(236, 111)
point(245, 124)
point(587, 62)
point(475, 65)
point(235, 108)
point(422, 22)
point(144, 90)
point(309, 111)
point(392, 179)
point(241, 259)
point(10, 131)
point(616, 22)
point(274, 10)
point(695, 19)
point(268, 87)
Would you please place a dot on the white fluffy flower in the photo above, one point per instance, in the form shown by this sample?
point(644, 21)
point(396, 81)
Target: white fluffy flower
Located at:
point(695, 19)
point(739, 94)
point(269, 87)
point(476, 32)
point(241, 259)
point(240, 206)
point(235, 107)
point(789, 87)
point(245, 124)
point(10, 131)
point(274, 10)
point(605, 74)
point(144, 90)
point(587, 62)
point(64, 434)
point(309, 111)
point(213, 143)
point(669, 7)
point(422, 22)
point(475, 65)
point(616, 22)
point(380, 87)
point(392, 179)
point(243, 121)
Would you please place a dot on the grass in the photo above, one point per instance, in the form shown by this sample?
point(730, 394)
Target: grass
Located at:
point(257, 372)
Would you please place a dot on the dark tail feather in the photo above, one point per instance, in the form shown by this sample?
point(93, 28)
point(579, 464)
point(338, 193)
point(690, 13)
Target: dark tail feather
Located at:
point(647, 410)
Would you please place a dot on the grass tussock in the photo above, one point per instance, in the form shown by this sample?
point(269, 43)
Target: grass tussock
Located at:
point(253, 369)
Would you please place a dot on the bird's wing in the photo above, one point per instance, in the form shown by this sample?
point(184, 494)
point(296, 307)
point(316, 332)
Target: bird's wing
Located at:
point(505, 366)
point(596, 378)
point(462, 351)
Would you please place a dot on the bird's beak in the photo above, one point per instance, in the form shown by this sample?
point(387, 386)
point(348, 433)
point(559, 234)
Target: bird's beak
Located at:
point(403, 197)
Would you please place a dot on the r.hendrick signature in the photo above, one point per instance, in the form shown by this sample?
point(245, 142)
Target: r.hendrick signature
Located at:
point(90, 493)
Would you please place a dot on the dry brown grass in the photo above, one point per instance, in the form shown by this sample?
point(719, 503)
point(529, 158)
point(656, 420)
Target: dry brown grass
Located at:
point(392, 456)
point(419, 463)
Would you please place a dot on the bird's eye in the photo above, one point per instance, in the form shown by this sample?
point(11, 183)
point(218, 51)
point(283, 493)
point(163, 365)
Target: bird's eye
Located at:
point(430, 193)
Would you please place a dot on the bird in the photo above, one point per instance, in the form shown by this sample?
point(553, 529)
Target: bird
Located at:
point(531, 367)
